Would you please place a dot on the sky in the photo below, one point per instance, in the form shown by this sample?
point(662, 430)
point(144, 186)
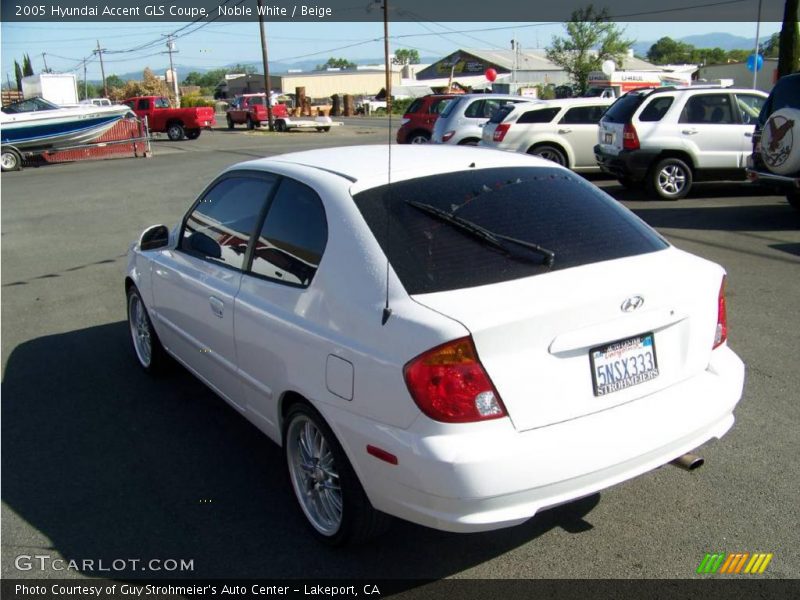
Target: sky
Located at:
point(222, 43)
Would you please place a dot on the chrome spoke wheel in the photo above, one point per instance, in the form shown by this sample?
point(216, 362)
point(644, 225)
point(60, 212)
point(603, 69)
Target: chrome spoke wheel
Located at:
point(140, 330)
point(551, 154)
point(672, 180)
point(314, 475)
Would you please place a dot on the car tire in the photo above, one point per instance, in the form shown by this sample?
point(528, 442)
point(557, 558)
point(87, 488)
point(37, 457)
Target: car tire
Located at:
point(325, 485)
point(419, 137)
point(551, 153)
point(469, 142)
point(175, 132)
point(10, 160)
point(280, 125)
point(147, 348)
point(193, 134)
point(250, 123)
point(230, 122)
point(793, 198)
point(670, 179)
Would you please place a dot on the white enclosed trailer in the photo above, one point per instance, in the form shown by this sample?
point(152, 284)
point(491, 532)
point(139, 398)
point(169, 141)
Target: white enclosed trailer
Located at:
point(58, 88)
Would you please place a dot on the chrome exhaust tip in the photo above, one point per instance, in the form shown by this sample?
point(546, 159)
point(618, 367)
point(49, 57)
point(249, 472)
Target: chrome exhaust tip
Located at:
point(688, 462)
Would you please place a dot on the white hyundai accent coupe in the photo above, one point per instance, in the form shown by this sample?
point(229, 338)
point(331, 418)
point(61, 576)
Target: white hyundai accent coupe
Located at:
point(475, 338)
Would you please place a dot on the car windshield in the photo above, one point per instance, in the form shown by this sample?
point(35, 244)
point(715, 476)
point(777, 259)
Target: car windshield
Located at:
point(30, 105)
point(622, 110)
point(549, 207)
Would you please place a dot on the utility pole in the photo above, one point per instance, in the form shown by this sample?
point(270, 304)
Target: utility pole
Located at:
point(170, 50)
point(755, 52)
point(265, 61)
point(99, 51)
point(46, 70)
point(85, 82)
point(386, 53)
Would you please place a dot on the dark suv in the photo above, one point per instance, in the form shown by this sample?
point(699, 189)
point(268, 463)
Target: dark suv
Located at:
point(417, 124)
point(776, 141)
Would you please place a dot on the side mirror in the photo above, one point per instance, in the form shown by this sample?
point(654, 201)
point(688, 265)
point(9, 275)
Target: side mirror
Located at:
point(205, 245)
point(154, 237)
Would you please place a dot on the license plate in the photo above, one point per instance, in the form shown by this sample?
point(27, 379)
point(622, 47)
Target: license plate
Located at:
point(608, 138)
point(622, 364)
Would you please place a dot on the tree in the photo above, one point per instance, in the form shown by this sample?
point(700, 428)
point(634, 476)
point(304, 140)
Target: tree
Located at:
point(239, 68)
point(150, 85)
point(406, 57)
point(18, 75)
point(668, 51)
point(789, 40)
point(336, 63)
point(114, 81)
point(27, 67)
point(590, 40)
point(770, 48)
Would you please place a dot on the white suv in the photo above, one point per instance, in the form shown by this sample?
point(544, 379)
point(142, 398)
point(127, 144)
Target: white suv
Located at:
point(669, 137)
point(463, 118)
point(563, 131)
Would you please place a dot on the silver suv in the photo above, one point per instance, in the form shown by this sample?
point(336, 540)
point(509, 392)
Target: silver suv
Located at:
point(462, 120)
point(667, 138)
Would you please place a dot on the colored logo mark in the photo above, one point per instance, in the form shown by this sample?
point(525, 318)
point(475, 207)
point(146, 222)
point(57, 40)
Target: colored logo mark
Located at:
point(734, 563)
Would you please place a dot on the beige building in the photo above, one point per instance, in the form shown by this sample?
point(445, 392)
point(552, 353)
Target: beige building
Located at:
point(741, 75)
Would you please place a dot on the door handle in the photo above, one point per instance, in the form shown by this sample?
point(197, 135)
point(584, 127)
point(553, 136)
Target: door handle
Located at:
point(690, 131)
point(565, 130)
point(217, 306)
point(748, 134)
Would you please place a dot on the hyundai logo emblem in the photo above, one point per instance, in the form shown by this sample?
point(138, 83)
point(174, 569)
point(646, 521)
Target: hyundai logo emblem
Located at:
point(632, 303)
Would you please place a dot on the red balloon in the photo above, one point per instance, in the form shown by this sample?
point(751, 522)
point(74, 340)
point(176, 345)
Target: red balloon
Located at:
point(491, 74)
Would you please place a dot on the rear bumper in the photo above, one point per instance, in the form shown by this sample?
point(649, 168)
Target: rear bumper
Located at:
point(631, 164)
point(487, 476)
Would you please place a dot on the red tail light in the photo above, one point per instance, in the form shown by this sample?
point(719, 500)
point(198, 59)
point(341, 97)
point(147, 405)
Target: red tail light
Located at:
point(447, 135)
point(501, 131)
point(722, 316)
point(630, 139)
point(449, 384)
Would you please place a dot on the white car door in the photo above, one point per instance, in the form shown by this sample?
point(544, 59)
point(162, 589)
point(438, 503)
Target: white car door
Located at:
point(275, 304)
point(710, 129)
point(194, 285)
point(578, 128)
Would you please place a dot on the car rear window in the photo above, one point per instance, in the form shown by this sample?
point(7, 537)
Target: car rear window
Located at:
point(547, 206)
point(451, 106)
point(414, 106)
point(501, 113)
point(623, 108)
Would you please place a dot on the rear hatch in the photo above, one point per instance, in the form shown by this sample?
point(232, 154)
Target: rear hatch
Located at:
point(612, 125)
point(552, 337)
point(500, 115)
point(549, 341)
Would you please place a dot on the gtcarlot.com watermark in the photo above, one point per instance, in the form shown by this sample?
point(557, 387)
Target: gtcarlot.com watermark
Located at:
point(45, 562)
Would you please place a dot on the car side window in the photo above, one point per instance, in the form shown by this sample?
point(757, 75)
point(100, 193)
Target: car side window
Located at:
point(708, 109)
point(222, 222)
point(162, 103)
point(541, 115)
point(656, 109)
point(293, 237)
point(475, 110)
point(749, 106)
point(583, 115)
point(144, 104)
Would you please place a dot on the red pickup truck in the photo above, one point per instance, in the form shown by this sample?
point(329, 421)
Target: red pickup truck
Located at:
point(176, 122)
point(251, 109)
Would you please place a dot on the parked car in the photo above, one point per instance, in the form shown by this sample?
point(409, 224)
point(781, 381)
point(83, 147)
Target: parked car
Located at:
point(417, 124)
point(251, 110)
point(776, 141)
point(419, 349)
point(177, 123)
point(563, 131)
point(667, 138)
point(462, 120)
point(97, 101)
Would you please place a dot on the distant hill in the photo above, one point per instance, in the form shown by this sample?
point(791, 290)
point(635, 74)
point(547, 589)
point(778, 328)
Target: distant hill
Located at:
point(725, 41)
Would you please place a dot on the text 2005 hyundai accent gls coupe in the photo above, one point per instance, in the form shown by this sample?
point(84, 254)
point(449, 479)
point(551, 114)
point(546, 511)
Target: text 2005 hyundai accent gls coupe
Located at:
point(479, 337)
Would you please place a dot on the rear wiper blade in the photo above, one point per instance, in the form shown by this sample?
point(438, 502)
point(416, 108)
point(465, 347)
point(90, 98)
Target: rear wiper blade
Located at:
point(482, 233)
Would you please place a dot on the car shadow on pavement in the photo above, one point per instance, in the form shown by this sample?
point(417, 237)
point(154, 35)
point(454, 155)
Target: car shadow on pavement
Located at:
point(108, 463)
point(740, 217)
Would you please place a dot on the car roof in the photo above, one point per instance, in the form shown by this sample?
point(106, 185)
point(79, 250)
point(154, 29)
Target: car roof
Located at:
point(367, 165)
point(564, 102)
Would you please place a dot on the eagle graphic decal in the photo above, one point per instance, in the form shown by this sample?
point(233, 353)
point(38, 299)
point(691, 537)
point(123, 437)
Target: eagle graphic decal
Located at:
point(777, 140)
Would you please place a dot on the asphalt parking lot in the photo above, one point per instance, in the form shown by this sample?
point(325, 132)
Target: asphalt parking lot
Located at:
point(101, 462)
